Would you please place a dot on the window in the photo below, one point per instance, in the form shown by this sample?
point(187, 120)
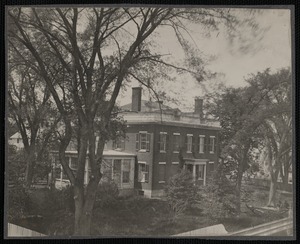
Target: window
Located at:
point(18, 140)
point(73, 163)
point(126, 171)
point(174, 168)
point(201, 143)
point(117, 171)
point(143, 172)
point(106, 169)
point(162, 172)
point(189, 143)
point(163, 141)
point(200, 172)
point(119, 144)
point(143, 141)
point(176, 142)
point(212, 144)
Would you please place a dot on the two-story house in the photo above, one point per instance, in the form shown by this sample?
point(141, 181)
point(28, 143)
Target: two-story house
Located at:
point(163, 138)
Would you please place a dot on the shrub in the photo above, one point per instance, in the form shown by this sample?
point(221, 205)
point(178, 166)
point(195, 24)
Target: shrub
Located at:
point(107, 193)
point(220, 196)
point(18, 202)
point(60, 199)
point(181, 192)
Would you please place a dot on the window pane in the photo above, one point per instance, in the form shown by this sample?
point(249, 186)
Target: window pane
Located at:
point(163, 142)
point(106, 169)
point(143, 140)
point(201, 145)
point(73, 163)
point(117, 171)
point(126, 170)
point(162, 172)
point(189, 143)
point(176, 143)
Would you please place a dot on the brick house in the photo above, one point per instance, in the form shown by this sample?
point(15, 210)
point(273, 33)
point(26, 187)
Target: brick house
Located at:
point(162, 138)
point(158, 139)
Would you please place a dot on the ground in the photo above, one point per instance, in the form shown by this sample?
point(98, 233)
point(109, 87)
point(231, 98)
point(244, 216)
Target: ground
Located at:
point(137, 216)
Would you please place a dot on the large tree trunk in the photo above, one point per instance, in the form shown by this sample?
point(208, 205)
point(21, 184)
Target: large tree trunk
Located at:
point(238, 188)
point(273, 189)
point(85, 197)
point(29, 167)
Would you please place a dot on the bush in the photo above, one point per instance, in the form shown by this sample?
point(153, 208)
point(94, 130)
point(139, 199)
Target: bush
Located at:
point(220, 196)
point(19, 203)
point(181, 192)
point(60, 199)
point(107, 193)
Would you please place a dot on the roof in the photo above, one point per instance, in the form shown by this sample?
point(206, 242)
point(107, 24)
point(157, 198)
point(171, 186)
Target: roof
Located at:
point(17, 135)
point(148, 106)
point(105, 153)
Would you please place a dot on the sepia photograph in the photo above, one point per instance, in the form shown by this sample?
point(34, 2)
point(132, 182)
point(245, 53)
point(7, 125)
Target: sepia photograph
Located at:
point(149, 121)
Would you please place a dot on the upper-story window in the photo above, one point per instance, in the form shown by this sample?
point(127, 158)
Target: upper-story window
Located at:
point(163, 141)
point(119, 144)
point(201, 143)
point(212, 144)
point(176, 142)
point(142, 141)
point(189, 143)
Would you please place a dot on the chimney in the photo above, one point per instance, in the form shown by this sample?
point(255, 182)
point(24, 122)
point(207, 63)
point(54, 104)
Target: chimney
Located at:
point(136, 99)
point(199, 106)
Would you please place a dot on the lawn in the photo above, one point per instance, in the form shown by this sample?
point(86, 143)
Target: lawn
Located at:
point(137, 216)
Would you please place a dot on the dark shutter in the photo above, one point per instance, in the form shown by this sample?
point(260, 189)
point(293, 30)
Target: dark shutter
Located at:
point(137, 142)
point(205, 144)
point(148, 142)
point(186, 143)
point(193, 144)
point(215, 145)
point(147, 173)
point(159, 141)
point(167, 142)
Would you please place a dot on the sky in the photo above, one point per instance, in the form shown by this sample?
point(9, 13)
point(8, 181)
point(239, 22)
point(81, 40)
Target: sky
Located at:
point(272, 50)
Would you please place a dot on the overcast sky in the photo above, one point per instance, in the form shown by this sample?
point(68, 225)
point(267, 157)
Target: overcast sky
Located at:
point(272, 51)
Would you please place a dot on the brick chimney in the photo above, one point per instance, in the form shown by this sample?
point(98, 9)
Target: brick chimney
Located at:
point(199, 106)
point(136, 99)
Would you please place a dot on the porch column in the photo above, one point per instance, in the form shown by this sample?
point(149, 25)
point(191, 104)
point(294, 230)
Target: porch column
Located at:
point(61, 175)
point(204, 174)
point(194, 172)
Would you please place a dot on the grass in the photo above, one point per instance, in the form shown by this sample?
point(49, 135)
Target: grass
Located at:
point(137, 216)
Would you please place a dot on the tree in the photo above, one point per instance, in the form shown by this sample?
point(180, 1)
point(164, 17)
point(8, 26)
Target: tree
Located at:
point(95, 51)
point(277, 127)
point(30, 106)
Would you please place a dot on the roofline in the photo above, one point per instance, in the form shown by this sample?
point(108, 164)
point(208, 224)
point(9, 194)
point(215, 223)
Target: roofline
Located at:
point(174, 124)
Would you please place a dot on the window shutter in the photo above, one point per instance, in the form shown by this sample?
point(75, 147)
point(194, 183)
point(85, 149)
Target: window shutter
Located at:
point(215, 145)
point(167, 142)
point(147, 173)
point(205, 145)
point(193, 144)
point(159, 141)
point(148, 142)
point(137, 141)
point(186, 143)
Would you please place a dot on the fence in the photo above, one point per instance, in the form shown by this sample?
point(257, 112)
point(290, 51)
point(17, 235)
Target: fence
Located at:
point(18, 231)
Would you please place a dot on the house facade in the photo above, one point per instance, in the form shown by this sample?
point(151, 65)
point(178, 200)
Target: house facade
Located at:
point(162, 139)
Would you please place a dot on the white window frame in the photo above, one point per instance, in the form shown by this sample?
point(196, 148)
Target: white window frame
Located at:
point(201, 138)
point(165, 142)
point(176, 134)
point(162, 163)
point(175, 163)
point(189, 144)
point(213, 144)
point(147, 142)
